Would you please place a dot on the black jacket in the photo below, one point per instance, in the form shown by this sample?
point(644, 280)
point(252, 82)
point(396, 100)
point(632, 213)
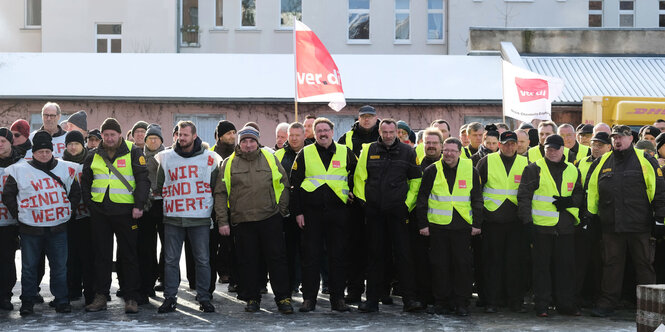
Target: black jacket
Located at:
point(531, 182)
point(224, 150)
point(288, 158)
point(361, 136)
point(388, 170)
point(450, 174)
point(140, 172)
point(482, 152)
point(623, 205)
point(507, 212)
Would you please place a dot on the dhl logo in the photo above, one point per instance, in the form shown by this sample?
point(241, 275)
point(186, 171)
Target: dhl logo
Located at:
point(647, 111)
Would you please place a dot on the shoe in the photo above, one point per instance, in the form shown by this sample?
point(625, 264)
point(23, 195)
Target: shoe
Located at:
point(264, 290)
point(168, 305)
point(252, 306)
point(412, 306)
point(206, 306)
point(6, 304)
point(387, 300)
point(27, 308)
point(339, 305)
point(325, 290)
point(601, 312)
point(142, 300)
point(39, 299)
point(352, 298)
point(98, 304)
point(490, 309)
point(120, 293)
point(51, 303)
point(462, 311)
point(284, 306)
point(307, 306)
point(131, 307)
point(368, 306)
point(159, 287)
point(233, 288)
point(63, 308)
point(439, 309)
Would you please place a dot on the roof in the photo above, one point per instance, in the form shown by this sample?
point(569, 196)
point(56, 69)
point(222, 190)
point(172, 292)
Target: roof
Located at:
point(602, 76)
point(244, 77)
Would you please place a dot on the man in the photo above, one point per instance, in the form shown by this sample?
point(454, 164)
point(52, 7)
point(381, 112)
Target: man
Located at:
point(626, 191)
point(489, 145)
point(602, 127)
point(8, 225)
point(522, 142)
point(660, 151)
point(549, 197)
point(116, 196)
point(660, 124)
point(94, 138)
point(649, 134)
point(250, 194)
point(281, 135)
point(78, 122)
point(449, 211)
point(584, 134)
point(186, 212)
point(443, 127)
point(48, 192)
point(320, 178)
point(21, 132)
point(51, 113)
point(309, 129)
point(546, 129)
point(501, 127)
point(386, 180)
point(567, 132)
point(500, 175)
point(464, 138)
point(138, 133)
point(474, 132)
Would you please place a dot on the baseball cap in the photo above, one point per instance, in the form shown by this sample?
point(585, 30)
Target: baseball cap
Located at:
point(554, 141)
point(621, 130)
point(508, 136)
point(602, 137)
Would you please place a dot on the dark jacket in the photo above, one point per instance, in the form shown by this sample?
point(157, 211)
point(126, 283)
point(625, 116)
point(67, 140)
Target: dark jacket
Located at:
point(10, 191)
point(388, 170)
point(139, 170)
point(288, 158)
point(152, 165)
point(22, 149)
point(482, 152)
point(623, 205)
point(323, 198)
point(531, 182)
point(224, 150)
point(450, 173)
point(507, 212)
point(361, 136)
point(576, 150)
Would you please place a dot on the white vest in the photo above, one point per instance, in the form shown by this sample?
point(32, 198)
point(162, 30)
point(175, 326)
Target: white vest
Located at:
point(82, 209)
point(59, 146)
point(6, 218)
point(42, 200)
point(186, 191)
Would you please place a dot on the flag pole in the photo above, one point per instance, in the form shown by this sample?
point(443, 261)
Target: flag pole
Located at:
point(295, 69)
point(503, 89)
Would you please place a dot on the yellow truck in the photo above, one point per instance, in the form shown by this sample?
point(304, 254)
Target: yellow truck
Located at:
point(630, 111)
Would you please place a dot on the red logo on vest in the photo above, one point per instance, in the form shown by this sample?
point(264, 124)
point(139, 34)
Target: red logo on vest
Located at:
point(210, 160)
point(121, 163)
point(462, 184)
point(518, 178)
point(72, 172)
point(570, 186)
point(335, 164)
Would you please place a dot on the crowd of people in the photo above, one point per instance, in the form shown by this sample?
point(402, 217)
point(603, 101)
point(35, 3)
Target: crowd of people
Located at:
point(570, 217)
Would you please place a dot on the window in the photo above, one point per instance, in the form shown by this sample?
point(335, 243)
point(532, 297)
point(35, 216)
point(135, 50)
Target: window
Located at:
point(189, 23)
point(219, 18)
point(109, 38)
point(595, 13)
point(626, 13)
point(402, 12)
point(661, 14)
point(33, 13)
point(359, 20)
point(290, 10)
point(248, 9)
point(435, 20)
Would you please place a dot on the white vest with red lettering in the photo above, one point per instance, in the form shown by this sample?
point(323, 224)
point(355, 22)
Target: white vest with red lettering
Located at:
point(6, 218)
point(42, 200)
point(59, 146)
point(82, 209)
point(186, 191)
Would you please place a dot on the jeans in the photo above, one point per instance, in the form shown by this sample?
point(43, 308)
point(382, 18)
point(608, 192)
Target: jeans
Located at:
point(174, 237)
point(55, 246)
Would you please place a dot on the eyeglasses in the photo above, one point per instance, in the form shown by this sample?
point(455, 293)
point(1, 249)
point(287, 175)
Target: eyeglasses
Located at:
point(50, 116)
point(451, 151)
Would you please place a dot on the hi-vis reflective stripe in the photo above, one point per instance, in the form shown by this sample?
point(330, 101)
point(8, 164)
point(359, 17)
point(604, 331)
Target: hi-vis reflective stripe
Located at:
point(499, 191)
point(546, 199)
point(496, 201)
point(315, 182)
point(440, 212)
point(112, 177)
point(449, 198)
point(122, 191)
point(545, 213)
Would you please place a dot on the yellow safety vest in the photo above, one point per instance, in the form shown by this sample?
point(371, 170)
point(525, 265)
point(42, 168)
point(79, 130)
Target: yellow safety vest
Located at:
point(103, 179)
point(420, 153)
point(583, 165)
point(648, 172)
point(441, 201)
point(212, 148)
point(280, 154)
point(543, 212)
point(336, 176)
point(277, 185)
point(535, 155)
point(349, 139)
point(582, 151)
point(501, 186)
point(466, 154)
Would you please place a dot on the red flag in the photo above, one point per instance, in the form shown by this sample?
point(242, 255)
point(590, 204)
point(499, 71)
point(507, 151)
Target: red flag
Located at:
point(317, 76)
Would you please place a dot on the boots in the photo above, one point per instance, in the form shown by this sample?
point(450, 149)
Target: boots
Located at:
point(98, 304)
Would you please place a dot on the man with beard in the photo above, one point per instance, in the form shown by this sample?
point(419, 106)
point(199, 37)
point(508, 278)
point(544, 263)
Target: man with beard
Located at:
point(21, 131)
point(309, 128)
point(51, 114)
point(115, 187)
point(443, 127)
point(187, 213)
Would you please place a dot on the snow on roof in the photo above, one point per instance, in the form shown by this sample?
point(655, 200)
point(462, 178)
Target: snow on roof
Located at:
point(244, 77)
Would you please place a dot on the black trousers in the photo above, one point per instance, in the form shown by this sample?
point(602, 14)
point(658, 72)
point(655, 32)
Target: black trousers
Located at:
point(253, 240)
point(452, 266)
point(357, 251)
point(147, 247)
point(126, 230)
point(293, 248)
point(8, 246)
point(384, 228)
point(588, 266)
point(554, 255)
point(478, 269)
point(502, 268)
point(421, 262)
point(324, 227)
point(80, 259)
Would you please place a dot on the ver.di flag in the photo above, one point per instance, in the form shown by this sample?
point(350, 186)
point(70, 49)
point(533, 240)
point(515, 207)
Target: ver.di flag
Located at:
point(527, 95)
point(317, 76)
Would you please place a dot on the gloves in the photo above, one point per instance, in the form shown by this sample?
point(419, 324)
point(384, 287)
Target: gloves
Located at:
point(659, 227)
point(586, 220)
point(562, 203)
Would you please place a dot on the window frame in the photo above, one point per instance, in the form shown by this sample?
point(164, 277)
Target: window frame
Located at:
point(181, 25)
point(25, 15)
point(597, 12)
point(350, 11)
point(279, 17)
point(395, 13)
point(626, 12)
point(661, 12)
point(248, 27)
point(108, 37)
point(441, 11)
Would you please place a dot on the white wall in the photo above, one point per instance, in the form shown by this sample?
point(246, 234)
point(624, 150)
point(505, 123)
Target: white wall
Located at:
point(14, 37)
point(646, 14)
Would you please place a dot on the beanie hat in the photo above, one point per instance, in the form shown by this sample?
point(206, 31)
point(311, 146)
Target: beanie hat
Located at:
point(224, 127)
point(42, 140)
point(248, 132)
point(252, 124)
point(6, 133)
point(74, 136)
point(22, 126)
point(660, 140)
point(491, 130)
point(140, 124)
point(112, 124)
point(402, 125)
point(645, 145)
point(154, 129)
point(80, 119)
point(96, 133)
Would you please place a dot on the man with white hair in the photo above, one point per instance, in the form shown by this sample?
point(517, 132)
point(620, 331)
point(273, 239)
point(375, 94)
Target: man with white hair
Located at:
point(51, 113)
point(281, 135)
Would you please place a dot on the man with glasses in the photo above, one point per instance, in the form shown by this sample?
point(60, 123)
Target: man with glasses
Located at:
point(51, 113)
